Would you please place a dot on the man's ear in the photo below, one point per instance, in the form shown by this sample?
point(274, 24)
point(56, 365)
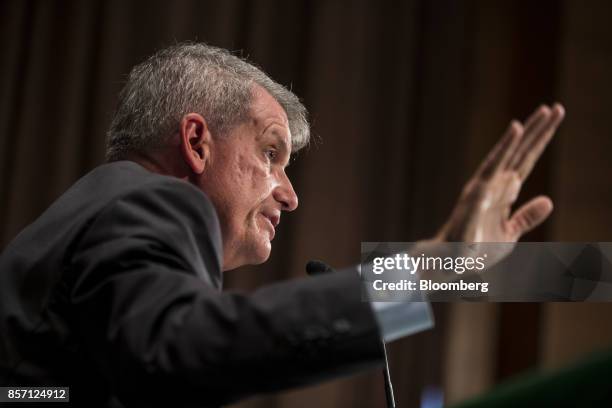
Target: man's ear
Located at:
point(195, 139)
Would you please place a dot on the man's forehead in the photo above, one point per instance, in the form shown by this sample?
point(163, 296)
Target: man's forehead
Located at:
point(266, 110)
point(270, 118)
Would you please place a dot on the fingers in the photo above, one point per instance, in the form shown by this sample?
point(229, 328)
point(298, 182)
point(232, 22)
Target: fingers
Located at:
point(518, 135)
point(539, 130)
point(535, 116)
point(530, 215)
point(533, 127)
point(502, 151)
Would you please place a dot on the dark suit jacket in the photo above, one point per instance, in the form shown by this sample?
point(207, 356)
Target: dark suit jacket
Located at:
point(115, 292)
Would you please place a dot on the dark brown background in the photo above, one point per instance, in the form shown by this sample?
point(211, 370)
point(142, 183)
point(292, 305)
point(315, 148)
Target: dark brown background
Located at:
point(406, 97)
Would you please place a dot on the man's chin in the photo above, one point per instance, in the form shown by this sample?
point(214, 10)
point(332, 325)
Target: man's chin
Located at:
point(262, 253)
point(257, 254)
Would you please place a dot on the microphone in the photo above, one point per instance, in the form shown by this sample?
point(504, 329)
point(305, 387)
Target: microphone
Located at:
point(315, 267)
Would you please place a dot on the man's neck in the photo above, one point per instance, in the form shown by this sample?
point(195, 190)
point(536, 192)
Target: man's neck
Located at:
point(160, 162)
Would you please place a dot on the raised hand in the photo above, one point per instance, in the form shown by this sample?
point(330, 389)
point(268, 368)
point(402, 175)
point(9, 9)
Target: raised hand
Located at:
point(483, 213)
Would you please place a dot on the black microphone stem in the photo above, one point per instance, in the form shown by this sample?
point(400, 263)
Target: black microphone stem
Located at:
point(316, 267)
point(387, 375)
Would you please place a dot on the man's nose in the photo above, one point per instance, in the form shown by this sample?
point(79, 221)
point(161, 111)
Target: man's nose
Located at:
point(285, 194)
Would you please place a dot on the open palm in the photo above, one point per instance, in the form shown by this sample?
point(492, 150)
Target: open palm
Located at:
point(483, 213)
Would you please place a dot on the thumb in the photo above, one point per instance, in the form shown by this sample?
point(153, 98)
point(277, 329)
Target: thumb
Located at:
point(530, 215)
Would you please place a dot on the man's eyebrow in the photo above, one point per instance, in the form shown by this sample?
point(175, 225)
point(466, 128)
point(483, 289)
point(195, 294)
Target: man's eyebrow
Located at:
point(283, 145)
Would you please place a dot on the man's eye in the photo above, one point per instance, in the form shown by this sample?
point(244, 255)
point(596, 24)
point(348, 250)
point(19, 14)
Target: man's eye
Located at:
point(271, 154)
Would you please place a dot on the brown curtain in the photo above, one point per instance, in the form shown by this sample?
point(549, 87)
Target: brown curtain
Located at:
point(405, 96)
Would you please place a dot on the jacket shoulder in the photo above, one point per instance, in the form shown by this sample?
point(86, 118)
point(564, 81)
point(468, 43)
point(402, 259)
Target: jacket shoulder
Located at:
point(167, 209)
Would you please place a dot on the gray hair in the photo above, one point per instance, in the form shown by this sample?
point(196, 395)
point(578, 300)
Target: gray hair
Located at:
point(193, 77)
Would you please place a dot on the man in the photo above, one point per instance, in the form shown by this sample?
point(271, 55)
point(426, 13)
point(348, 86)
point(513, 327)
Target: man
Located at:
point(115, 289)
